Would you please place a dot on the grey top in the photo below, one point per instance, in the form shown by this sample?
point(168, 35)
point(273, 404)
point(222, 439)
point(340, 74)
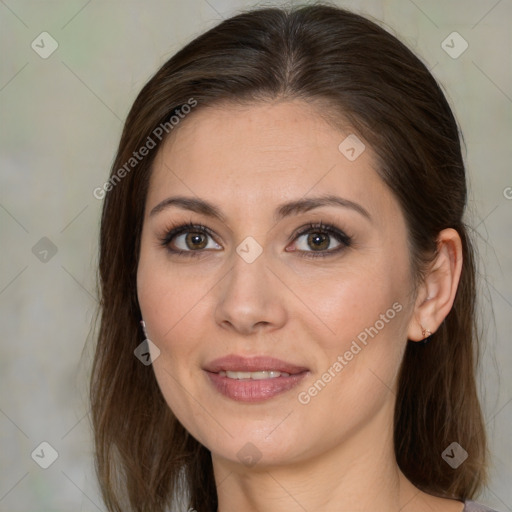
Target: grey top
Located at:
point(473, 506)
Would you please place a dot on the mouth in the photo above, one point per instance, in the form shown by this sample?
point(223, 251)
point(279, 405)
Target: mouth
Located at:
point(259, 375)
point(257, 368)
point(253, 379)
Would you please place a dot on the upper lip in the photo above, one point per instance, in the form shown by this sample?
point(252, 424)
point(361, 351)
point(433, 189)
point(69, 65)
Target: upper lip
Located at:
point(235, 363)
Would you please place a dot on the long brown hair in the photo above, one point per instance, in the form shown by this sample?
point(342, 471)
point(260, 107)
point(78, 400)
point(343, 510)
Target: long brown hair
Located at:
point(360, 73)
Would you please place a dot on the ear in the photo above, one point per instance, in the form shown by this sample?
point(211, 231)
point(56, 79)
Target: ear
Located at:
point(437, 292)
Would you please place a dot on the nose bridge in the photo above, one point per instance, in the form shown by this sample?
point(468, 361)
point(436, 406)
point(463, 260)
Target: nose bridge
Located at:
point(248, 295)
point(249, 273)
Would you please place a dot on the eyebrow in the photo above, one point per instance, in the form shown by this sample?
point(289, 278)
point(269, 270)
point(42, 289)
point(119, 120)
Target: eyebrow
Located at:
point(284, 210)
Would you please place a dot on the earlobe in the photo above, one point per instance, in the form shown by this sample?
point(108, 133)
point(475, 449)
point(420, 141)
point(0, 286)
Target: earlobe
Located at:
point(437, 293)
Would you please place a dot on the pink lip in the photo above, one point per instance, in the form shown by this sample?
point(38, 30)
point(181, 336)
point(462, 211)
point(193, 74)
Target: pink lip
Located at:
point(234, 363)
point(248, 390)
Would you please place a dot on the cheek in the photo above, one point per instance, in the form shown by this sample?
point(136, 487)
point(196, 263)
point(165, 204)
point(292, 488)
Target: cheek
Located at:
point(167, 299)
point(345, 302)
point(361, 336)
point(359, 360)
point(170, 306)
point(174, 306)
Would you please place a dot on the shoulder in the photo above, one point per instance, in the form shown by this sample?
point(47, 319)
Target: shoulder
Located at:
point(473, 506)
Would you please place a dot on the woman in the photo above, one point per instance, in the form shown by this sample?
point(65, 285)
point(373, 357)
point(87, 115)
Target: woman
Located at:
point(282, 238)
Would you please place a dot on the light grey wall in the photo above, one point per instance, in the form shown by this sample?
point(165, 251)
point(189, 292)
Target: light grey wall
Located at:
point(61, 119)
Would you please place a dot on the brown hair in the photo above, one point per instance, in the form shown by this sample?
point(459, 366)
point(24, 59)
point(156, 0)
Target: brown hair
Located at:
point(144, 456)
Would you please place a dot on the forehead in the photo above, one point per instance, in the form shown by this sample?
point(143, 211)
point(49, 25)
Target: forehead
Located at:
point(257, 155)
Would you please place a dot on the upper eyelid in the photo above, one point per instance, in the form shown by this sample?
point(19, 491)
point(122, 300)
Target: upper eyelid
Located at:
point(320, 225)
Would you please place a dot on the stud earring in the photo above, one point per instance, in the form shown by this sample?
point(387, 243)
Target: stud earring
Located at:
point(426, 335)
point(144, 328)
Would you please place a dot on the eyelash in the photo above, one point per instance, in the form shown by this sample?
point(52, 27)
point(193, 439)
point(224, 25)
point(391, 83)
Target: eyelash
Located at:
point(319, 227)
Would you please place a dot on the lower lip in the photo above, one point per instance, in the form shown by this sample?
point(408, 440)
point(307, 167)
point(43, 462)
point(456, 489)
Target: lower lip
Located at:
point(249, 390)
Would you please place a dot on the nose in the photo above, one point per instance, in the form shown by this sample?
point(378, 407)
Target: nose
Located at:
point(250, 298)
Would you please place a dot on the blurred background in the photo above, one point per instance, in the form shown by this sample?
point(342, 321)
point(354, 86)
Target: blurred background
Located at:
point(69, 72)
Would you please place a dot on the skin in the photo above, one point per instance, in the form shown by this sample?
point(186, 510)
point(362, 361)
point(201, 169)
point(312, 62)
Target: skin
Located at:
point(335, 452)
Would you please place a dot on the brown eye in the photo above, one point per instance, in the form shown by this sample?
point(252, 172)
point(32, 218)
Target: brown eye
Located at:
point(196, 240)
point(321, 240)
point(318, 241)
point(189, 238)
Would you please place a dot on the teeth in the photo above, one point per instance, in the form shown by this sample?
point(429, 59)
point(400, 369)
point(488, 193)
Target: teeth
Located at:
point(254, 375)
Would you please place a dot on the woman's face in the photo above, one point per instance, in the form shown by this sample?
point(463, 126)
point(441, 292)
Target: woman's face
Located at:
point(331, 303)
